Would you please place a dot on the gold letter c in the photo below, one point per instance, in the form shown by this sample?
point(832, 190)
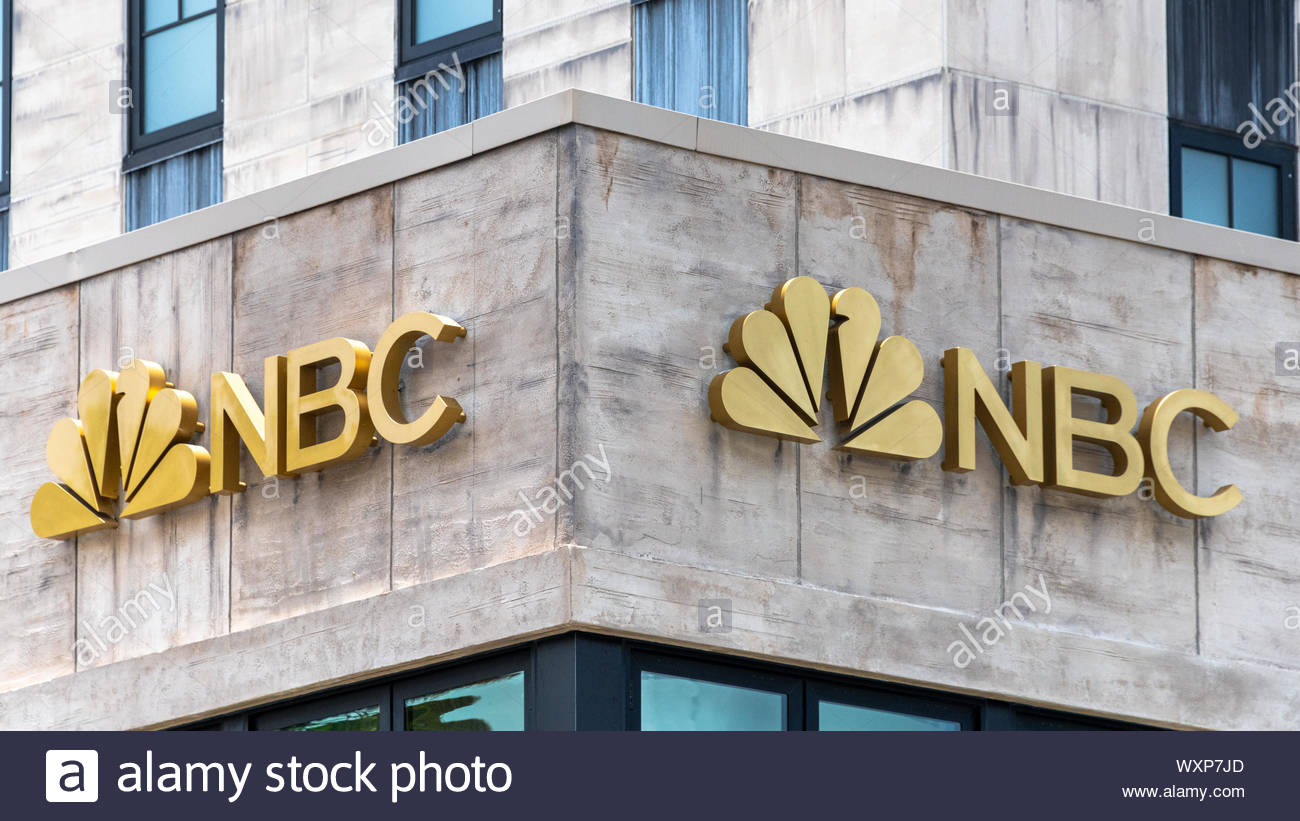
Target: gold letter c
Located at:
point(386, 367)
point(1154, 433)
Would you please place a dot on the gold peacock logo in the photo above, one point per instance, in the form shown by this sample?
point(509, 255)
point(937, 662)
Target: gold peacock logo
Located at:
point(783, 351)
point(127, 456)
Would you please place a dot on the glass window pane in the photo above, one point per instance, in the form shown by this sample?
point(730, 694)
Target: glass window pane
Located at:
point(159, 13)
point(365, 718)
point(180, 73)
point(679, 703)
point(494, 704)
point(438, 18)
point(1205, 186)
point(192, 7)
point(833, 716)
point(1255, 197)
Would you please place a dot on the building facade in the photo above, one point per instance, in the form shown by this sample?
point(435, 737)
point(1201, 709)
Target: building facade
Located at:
point(619, 533)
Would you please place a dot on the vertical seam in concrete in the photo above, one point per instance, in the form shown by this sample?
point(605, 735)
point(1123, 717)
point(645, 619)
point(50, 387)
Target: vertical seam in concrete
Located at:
point(555, 260)
point(1196, 478)
point(1002, 491)
point(230, 511)
point(798, 450)
point(392, 314)
point(76, 540)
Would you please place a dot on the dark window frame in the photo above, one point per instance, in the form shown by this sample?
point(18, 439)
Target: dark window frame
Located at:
point(1279, 155)
point(292, 714)
point(147, 148)
point(7, 9)
point(935, 706)
point(417, 59)
point(718, 671)
point(459, 675)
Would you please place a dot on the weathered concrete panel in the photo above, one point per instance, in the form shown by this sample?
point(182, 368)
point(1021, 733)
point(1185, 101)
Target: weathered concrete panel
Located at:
point(1121, 568)
point(1012, 40)
point(66, 60)
point(906, 531)
point(173, 310)
point(429, 623)
point(1113, 51)
point(1060, 143)
point(903, 121)
point(666, 248)
point(306, 85)
point(1035, 663)
point(476, 242)
point(783, 34)
point(885, 42)
point(551, 45)
point(1249, 561)
point(323, 538)
point(38, 386)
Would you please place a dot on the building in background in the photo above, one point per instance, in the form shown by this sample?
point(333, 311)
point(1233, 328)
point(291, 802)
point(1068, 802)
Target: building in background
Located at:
point(125, 113)
point(209, 184)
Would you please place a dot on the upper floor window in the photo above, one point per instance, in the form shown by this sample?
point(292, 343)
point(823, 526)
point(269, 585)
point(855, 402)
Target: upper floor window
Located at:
point(692, 56)
point(176, 68)
point(449, 64)
point(1216, 179)
point(173, 162)
point(1232, 111)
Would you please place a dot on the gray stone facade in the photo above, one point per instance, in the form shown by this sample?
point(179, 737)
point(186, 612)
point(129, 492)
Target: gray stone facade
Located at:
point(597, 252)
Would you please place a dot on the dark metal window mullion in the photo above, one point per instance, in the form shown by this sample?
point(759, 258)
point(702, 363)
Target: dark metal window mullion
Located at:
point(177, 23)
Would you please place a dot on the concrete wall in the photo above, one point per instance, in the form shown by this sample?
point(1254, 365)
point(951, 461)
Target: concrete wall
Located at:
point(67, 131)
point(597, 274)
point(1085, 84)
point(309, 86)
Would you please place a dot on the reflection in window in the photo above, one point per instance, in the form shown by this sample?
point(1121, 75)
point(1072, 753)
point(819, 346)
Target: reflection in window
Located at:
point(493, 704)
point(679, 703)
point(833, 716)
point(365, 718)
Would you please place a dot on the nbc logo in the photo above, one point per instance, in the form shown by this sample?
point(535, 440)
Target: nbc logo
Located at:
point(126, 457)
point(782, 352)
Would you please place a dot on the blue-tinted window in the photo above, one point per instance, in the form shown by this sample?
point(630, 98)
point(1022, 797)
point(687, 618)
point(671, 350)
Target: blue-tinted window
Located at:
point(681, 703)
point(180, 73)
point(692, 56)
point(834, 716)
point(493, 704)
point(1205, 186)
point(360, 719)
point(174, 186)
point(1255, 194)
point(173, 165)
point(449, 65)
point(1229, 181)
point(445, 99)
point(439, 18)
